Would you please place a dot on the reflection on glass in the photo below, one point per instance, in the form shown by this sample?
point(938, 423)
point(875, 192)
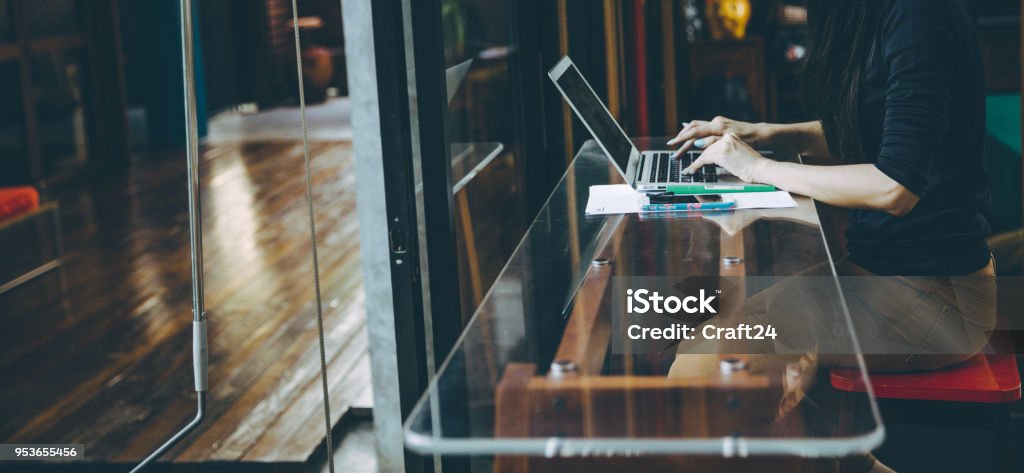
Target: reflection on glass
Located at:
point(57, 80)
point(47, 18)
point(34, 235)
point(482, 108)
point(484, 143)
point(6, 32)
point(12, 132)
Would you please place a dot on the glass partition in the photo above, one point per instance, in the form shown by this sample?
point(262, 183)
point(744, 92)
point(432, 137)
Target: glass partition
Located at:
point(483, 122)
point(536, 373)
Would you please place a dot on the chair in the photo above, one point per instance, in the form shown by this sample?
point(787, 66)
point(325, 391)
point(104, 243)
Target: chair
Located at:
point(973, 394)
point(983, 379)
point(20, 208)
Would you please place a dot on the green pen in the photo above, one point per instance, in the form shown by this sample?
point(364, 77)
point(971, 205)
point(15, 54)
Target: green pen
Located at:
point(701, 189)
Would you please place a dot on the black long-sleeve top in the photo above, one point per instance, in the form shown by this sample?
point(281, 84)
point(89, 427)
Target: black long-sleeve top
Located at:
point(923, 118)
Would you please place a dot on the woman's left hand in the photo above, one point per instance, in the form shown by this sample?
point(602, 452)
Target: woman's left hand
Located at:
point(735, 156)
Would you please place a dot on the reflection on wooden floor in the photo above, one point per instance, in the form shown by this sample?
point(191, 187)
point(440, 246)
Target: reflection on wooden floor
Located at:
point(106, 362)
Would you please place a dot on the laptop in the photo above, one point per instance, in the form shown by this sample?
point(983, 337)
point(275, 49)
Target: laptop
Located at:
point(648, 171)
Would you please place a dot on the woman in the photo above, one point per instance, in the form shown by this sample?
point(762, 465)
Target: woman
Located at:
point(899, 89)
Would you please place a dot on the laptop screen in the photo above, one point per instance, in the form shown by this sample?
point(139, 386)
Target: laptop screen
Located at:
point(594, 114)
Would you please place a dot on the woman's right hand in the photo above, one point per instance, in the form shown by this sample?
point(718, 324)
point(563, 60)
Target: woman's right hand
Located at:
point(701, 134)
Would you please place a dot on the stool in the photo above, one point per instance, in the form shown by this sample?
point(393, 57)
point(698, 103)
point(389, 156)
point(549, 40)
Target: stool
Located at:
point(17, 201)
point(985, 378)
point(19, 206)
point(975, 393)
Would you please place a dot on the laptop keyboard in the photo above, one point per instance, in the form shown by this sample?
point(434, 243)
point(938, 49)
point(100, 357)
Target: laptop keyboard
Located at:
point(665, 168)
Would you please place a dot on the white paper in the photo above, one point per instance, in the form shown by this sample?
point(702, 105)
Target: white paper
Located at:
point(623, 199)
point(764, 200)
point(611, 200)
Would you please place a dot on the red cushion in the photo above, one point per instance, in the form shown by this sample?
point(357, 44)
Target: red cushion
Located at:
point(984, 378)
point(15, 201)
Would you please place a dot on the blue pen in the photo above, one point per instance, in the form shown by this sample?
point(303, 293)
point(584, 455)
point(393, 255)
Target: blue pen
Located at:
point(691, 207)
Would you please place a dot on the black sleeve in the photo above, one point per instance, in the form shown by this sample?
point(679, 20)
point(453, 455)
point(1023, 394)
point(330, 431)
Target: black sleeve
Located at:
point(919, 48)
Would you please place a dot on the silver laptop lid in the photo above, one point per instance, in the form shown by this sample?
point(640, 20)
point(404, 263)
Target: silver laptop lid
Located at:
point(596, 117)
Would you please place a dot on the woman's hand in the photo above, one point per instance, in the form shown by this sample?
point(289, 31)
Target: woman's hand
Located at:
point(701, 134)
point(853, 186)
point(737, 157)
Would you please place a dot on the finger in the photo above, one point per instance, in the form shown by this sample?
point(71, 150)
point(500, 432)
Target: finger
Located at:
point(686, 146)
point(706, 142)
point(699, 163)
point(689, 127)
point(679, 136)
point(689, 135)
point(694, 124)
point(718, 125)
point(697, 123)
point(739, 141)
point(699, 143)
point(733, 137)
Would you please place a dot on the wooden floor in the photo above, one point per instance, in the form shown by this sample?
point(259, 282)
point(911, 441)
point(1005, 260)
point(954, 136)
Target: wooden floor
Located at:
point(104, 359)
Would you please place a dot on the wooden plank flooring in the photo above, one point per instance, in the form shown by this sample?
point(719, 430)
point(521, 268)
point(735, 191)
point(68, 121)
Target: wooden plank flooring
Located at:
point(99, 353)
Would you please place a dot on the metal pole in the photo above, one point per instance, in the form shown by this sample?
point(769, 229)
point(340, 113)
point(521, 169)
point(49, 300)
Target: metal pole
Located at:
point(199, 346)
point(192, 149)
